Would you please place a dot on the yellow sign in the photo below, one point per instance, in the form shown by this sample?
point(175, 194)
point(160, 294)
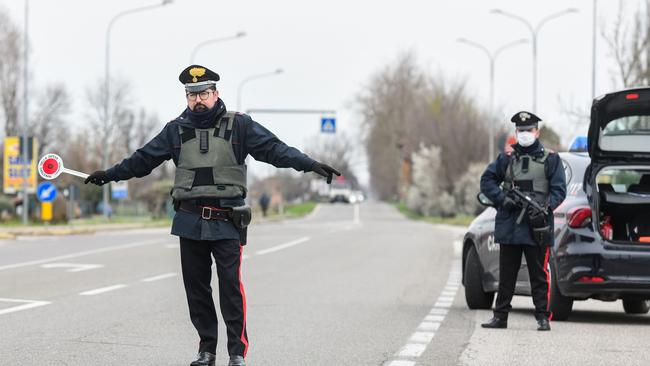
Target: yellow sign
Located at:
point(46, 211)
point(15, 167)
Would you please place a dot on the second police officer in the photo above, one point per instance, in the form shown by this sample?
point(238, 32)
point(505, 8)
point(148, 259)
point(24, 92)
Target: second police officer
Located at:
point(539, 174)
point(209, 146)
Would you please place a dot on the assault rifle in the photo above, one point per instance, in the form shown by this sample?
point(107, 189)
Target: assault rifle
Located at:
point(537, 216)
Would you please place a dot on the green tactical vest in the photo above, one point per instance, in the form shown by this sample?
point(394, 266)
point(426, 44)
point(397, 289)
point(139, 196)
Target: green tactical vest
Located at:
point(207, 167)
point(528, 174)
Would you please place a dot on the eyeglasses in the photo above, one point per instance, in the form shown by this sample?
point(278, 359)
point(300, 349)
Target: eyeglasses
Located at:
point(202, 95)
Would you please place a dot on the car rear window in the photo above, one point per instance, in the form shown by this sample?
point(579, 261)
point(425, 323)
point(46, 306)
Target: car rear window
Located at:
point(629, 133)
point(624, 180)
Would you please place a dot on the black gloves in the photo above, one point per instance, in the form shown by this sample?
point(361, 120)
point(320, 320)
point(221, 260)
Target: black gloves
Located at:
point(324, 170)
point(508, 204)
point(99, 178)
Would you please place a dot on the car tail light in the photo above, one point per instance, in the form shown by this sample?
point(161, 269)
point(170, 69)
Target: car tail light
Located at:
point(632, 96)
point(644, 239)
point(591, 279)
point(579, 217)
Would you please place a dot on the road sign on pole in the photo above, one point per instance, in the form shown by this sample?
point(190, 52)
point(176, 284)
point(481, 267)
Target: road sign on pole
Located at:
point(120, 190)
point(328, 125)
point(46, 192)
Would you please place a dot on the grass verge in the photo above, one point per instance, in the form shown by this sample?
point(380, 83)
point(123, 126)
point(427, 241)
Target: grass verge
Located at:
point(460, 220)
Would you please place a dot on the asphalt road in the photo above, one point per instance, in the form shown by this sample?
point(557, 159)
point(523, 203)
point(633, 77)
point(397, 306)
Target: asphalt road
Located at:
point(348, 285)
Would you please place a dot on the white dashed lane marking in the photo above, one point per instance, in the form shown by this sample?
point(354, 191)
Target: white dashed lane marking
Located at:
point(102, 290)
point(160, 277)
point(283, 246)
point(26, 304)
point(426, 330)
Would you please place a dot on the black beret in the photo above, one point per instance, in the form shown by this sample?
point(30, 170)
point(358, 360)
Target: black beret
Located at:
point(525, 120)
point(197, 78)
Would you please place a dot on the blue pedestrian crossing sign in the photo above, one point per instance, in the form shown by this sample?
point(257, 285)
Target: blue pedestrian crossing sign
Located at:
point(46, 192)
point(328, 125)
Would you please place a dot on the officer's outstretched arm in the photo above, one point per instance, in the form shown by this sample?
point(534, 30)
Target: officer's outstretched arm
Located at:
point(264, 146)
point(145, 159)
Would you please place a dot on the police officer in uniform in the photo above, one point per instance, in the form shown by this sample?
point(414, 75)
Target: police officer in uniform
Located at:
point(209, 145)
point(538, 173)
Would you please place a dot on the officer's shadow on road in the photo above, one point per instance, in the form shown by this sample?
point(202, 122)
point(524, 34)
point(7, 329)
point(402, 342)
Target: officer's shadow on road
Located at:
point(598, 317)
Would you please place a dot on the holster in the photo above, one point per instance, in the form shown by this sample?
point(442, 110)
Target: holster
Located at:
point(241, 218)
point(540, 229)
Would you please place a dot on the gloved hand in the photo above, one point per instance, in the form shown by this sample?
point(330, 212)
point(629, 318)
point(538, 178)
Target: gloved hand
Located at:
point(324, 170)
point(99, 178)
point(508, 204)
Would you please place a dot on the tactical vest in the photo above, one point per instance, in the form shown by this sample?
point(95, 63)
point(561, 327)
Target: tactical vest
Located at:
point(528, 175)
point(207, 166)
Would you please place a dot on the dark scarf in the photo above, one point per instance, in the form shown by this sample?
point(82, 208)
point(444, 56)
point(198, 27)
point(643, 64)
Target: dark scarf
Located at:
point(535, 149)
point(207, 119)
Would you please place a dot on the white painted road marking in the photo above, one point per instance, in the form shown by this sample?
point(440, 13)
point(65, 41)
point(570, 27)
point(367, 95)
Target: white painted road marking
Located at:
point(283, 246)
point(357, 217)
point(102, 290)
point(29, 304)
point(73, 267)
point(81, 254)
point(426, 330)
point(160, 277)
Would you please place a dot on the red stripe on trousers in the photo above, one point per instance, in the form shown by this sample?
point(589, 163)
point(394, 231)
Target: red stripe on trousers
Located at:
point(548, 282)
point(243, 296)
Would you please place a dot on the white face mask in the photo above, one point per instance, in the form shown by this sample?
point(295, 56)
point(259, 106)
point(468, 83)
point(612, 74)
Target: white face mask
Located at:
point(525, 139)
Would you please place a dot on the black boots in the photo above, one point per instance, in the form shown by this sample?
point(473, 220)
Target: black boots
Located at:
point(204, 359)
point(543, 324)
point(236, 361)
point(496, 323)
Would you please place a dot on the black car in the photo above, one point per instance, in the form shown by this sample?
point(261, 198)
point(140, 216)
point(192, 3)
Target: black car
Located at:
point(602, 229)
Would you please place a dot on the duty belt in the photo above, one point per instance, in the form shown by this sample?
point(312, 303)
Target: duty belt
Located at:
point(206, 212)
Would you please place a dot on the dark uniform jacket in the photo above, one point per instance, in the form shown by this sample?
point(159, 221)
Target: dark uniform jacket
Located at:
point(506, 230)
point(248, 138)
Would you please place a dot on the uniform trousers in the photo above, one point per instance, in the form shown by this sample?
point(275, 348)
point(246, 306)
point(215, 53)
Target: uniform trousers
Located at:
point(509, 264)
point(196, 263)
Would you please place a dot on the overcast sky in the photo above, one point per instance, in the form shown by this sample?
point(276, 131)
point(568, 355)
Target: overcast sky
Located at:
point(327, 49)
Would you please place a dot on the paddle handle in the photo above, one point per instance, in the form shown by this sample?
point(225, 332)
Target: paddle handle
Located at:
point(75, 173)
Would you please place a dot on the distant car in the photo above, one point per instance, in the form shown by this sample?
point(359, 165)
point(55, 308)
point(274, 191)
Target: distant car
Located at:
point(602, 229)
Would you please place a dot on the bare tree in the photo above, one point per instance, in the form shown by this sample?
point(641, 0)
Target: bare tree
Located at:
point(10, 72)
point(49, 124)
point(629, 45)
point(336, 150)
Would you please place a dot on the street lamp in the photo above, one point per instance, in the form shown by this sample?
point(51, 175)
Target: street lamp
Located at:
point(107, 78)
point(214, 40)
point(253, 77)
point(534, 30)
point(492, 57)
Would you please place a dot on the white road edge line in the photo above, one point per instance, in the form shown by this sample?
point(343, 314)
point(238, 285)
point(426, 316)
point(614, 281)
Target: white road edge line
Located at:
point(283, 246)
point(159, 277)
point(357, 217)
point(30, 304)
point(101, 290)
point(81, 254)
point(426, 330)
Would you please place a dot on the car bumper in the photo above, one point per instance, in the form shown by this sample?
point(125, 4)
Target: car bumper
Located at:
point(593, 270)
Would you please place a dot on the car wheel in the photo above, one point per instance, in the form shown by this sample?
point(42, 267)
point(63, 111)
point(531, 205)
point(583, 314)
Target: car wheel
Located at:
point(636, 306)
point(559, 305)
point(475, 297)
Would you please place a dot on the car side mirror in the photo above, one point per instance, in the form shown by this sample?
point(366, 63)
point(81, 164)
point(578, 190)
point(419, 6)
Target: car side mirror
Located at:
point(484, 200)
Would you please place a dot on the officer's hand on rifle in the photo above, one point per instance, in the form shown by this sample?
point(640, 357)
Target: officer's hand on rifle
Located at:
point(324, 170)
point(99, 178)
point(508, 204)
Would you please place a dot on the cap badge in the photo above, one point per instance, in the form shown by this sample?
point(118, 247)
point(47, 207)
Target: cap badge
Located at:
point(196, 72)
point(524, 116)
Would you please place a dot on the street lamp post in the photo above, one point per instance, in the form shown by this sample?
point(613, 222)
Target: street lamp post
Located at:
point(593, 50)
point(107, 94)
point(492, 57)
point(213, 40)
point(25, 150)
point(253, 77)
point(534, 31)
